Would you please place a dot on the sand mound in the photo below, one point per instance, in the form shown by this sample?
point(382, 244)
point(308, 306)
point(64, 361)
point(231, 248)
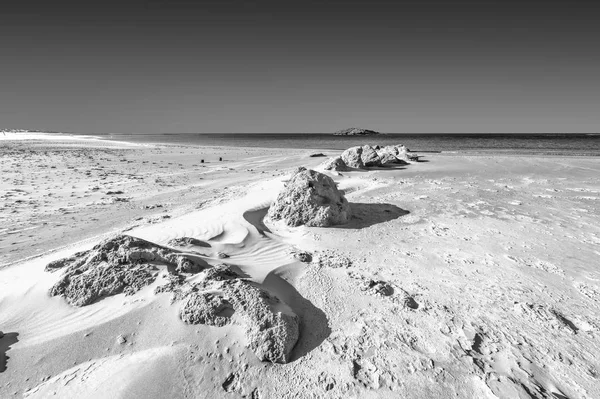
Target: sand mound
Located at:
point(122, 264)
point(310, 198)
point(271, 327)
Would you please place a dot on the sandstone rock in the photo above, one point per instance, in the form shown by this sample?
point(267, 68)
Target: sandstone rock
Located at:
point(310, 198)
point(122, 264)
point(185, 241)
point(389, 155)
point(271, 327)
point(205, 308)
point(187, 265)
point(352, 157)
point(336, 164)
point(369, 156)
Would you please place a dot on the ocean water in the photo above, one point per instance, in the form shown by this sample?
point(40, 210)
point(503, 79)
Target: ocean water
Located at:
point(548, 144)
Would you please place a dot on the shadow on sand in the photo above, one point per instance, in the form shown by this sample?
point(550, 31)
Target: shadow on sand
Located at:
point(5, 343)
point(255, 218)
point(314, 325)
point(365, 215)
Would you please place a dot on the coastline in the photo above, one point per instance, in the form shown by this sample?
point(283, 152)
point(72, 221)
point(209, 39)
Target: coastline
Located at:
point(497, 251)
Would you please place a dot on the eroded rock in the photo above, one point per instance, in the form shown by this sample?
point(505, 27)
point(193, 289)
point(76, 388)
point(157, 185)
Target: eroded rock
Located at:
point(310, 198)
point(352, 157)
point(123, 264)
point(336, 164)
point(271, 327)
point(369, 156)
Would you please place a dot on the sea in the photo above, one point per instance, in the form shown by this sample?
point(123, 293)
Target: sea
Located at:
point(572, 144)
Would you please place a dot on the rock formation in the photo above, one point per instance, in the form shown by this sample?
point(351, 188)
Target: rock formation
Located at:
point(271, 327)
point(352, 157)
point(369, 156)
point(365, 156)
point(122, 264)
point(354, 131)
point(310, 198)
point(335, 163)
point(126, 264)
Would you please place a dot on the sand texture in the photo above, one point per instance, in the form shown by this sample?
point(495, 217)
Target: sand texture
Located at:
point(138, 271)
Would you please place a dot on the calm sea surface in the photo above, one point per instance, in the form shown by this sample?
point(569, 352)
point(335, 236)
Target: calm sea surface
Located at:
point(558, 144)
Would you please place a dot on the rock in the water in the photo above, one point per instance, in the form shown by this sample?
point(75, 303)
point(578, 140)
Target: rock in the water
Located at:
point(354, 131)
point(352, 157)
point(310, 198)
point(271, 327)
point(336, 164)
point(122, 264)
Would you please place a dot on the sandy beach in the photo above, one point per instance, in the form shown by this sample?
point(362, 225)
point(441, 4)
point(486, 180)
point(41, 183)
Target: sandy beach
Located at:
point(470, 276)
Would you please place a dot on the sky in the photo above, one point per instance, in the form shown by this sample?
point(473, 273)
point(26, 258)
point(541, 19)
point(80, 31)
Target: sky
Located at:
point(300, 66)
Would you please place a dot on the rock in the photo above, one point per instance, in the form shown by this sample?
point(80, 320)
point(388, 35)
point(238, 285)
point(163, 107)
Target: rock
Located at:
point(271, 327)
point(335, 163)
point(117, 265)
point(185, 241)
point(310, 198)
point(331, 259)
point(389, 155)
point(379, 287)
point(121, 340)
point(352, 157)
point(302, 256)
point(369, 156)
point(205, 308)
point(187, 265)
point(1, 334)
point(354, 131)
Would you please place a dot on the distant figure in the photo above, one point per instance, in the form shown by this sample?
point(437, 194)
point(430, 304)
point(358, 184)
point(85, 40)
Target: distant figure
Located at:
point(220, 159)
point(202, 161)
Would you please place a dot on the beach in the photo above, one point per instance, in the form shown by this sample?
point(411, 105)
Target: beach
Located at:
point(462, 275)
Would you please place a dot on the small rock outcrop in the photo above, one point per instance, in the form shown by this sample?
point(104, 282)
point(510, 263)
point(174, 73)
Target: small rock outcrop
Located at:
point(354, 131)
point(310, 198)
point(123, 264)
point(336, 164)
point(352, 157)
point(271, 327)
point(369, 156)
point(366, 156)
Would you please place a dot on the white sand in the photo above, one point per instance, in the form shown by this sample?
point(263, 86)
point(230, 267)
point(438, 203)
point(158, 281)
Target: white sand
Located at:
point(499, 253)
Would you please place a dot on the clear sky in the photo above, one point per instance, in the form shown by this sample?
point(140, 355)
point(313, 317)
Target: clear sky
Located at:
point(300, 66)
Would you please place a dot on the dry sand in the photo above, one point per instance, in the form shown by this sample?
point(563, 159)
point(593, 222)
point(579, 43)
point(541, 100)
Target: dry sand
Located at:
point(462, 276)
